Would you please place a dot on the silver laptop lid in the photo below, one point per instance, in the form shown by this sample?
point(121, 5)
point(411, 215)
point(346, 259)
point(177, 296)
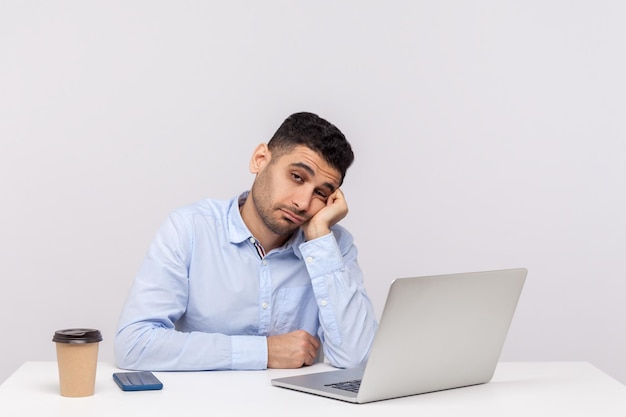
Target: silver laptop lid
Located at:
point(441, 332)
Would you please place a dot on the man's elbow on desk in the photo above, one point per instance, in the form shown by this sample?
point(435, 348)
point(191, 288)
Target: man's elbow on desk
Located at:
point(343, 359)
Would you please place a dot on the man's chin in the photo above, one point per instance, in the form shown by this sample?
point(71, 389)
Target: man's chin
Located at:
point(285, 229)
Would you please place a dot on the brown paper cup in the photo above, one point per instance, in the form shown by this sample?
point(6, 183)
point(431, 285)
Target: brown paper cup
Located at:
point(77, 359)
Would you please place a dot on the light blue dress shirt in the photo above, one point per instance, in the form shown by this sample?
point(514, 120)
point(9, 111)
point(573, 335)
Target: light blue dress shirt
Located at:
point(205, 298)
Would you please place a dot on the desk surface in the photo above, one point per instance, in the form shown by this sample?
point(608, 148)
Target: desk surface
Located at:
point(517, 389)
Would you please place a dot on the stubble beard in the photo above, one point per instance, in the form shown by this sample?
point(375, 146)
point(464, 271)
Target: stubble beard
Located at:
point(265, 209)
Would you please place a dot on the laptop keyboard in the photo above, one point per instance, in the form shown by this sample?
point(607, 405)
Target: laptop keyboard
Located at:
point(347, 385)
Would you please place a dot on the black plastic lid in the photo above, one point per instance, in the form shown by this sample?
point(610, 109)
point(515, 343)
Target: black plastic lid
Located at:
point(77, 336)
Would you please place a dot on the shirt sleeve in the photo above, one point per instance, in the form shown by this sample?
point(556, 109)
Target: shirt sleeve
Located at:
point(147, 339)
point(347, 318)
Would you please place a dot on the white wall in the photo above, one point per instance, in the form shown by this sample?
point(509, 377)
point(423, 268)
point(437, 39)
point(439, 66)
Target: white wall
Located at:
point(488, 135)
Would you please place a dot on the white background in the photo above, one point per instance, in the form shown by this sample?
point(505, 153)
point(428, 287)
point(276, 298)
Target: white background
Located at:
point(488, 134)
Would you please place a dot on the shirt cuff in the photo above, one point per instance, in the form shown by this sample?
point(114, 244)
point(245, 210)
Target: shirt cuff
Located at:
point(322, 255)
point(249, 352)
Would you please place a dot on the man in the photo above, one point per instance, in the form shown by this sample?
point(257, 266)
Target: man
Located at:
point(261, 281)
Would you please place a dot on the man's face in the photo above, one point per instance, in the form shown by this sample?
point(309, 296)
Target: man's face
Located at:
point(292, 188)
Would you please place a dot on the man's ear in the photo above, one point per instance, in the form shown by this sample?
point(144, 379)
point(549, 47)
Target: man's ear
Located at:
point(260, 158)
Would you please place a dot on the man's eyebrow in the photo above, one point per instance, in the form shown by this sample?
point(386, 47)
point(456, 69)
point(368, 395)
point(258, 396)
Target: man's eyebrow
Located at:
point(311, 172)
point(304, 167)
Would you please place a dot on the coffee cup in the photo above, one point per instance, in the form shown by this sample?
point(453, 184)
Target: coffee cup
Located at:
point(77, 359)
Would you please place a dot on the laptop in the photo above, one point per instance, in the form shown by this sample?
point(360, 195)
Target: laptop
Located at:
point(435, 333)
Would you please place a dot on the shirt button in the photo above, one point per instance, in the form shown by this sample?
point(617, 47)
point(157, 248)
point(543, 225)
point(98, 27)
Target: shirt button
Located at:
point(265, 305)
point(252, 240)
point(324, 303)
point(264, 262)
point(309, 259)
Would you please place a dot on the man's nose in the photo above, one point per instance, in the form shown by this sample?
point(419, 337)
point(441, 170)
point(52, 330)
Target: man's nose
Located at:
point(301, 199)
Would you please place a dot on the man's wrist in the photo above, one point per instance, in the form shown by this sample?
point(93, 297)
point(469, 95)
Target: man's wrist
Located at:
point(312, 232)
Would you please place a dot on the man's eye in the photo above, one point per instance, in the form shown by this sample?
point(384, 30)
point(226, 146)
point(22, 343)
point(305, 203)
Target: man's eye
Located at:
point(296, 177)
point(321, 194)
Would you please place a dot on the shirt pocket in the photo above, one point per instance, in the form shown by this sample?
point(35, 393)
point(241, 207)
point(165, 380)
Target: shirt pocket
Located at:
point(296, 309)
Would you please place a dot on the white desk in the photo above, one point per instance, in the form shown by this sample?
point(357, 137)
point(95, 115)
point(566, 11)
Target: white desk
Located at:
point(517, 389)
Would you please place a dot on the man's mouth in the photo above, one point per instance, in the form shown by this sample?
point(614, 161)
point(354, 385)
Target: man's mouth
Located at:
point(292, 217)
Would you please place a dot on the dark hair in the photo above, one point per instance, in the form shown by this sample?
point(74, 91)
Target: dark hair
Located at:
point(317, 134)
